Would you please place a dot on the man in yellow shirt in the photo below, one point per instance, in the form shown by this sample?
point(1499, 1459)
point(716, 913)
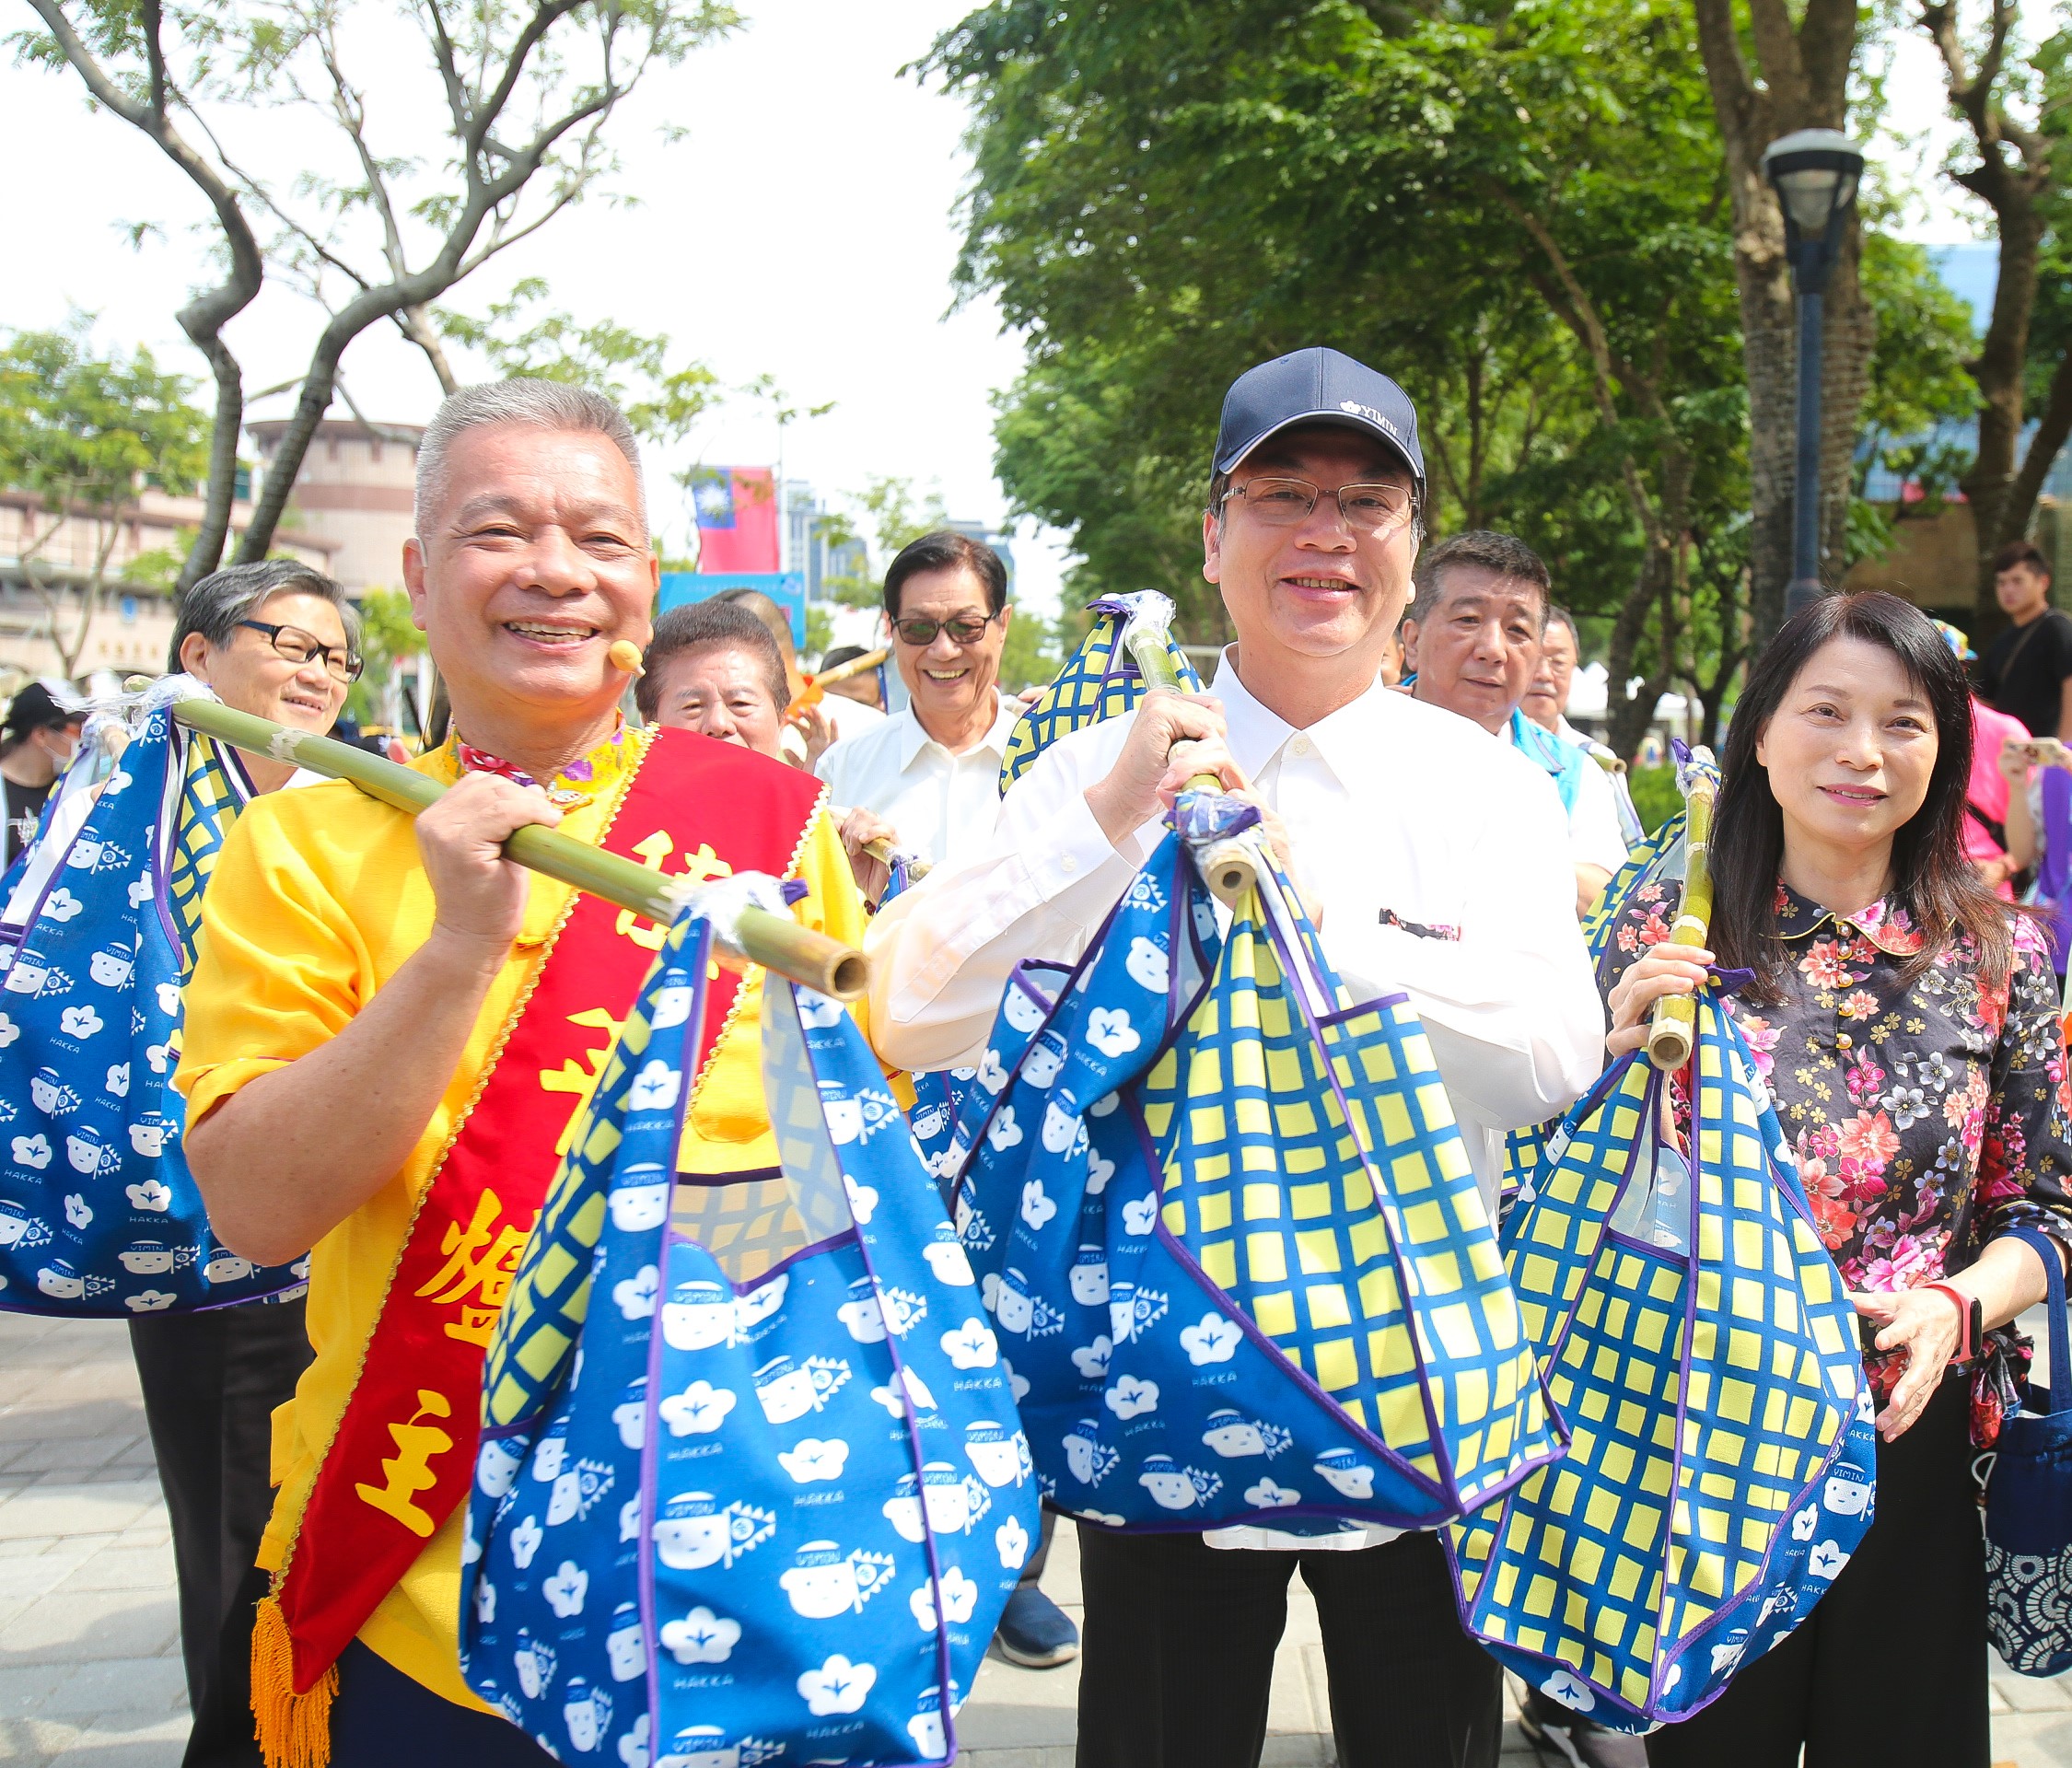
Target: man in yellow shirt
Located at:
point(391, 1029)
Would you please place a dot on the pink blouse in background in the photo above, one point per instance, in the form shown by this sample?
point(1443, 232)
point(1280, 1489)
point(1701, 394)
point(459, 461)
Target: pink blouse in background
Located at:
point(1988, 788)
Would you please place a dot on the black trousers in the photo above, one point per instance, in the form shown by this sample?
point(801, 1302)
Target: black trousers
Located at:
point(1177, 1656)
point(383, 1719)
point(210, 1381)
point(1889, 1670)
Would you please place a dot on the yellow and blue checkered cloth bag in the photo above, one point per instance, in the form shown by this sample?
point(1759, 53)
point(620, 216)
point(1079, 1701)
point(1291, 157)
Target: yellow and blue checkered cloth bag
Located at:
point(1650, 857)
point(1696, 1339)
point(1230, 1237)
point(1099, 681)
point(98, 1214)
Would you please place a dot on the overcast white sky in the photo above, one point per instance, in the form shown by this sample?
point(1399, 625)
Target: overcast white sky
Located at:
point(803, 227)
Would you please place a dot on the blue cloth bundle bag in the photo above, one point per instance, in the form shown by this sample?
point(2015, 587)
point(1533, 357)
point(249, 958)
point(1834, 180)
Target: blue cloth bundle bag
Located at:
point(2028, 1506)
point(751, 1486)
point(99, 1215)
point(1228, 1232)
point(1699, 1345)
point(1099, 680)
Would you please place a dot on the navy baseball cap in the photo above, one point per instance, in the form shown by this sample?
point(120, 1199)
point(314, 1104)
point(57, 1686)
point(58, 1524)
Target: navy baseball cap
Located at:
point(1317, 386)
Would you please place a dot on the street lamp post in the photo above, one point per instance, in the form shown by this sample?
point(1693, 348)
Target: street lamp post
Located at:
point(1816, 173)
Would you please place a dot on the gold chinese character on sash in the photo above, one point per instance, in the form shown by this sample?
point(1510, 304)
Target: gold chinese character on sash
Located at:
point(574, 1076)
point(408, 1471)
point(653, 850)
point(480, 1261)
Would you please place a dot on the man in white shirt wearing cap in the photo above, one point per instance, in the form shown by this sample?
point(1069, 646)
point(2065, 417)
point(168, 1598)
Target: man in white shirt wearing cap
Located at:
point(1440, 861)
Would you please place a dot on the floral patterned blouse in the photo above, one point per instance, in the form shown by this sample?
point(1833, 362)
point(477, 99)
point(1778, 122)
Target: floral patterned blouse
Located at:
point(1929, 1117)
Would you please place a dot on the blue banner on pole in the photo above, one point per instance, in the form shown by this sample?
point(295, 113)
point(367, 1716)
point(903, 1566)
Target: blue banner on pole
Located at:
point(787, 588)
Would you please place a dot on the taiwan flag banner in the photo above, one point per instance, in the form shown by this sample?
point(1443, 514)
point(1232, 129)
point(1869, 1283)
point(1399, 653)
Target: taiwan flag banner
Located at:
point(736, 518)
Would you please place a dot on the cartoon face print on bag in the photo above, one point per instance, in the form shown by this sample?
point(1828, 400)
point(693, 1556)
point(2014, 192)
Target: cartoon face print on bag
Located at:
point(110, 968)
point(789, 1389)
point(697, 1316)
point(823, 1581)
point(953, 1502)
point(1089, 1277)
point(1231, 1434)
point(947, 1258)
point(625, 1646)
point(1348, 1476)
point(996, 1457)
point(50, 1095)
point(17, 1227)
point(694, 1529)
point(1173, 1487)
point(497, 1468)
point(709, 1746)
point(587, 1711)
point(639, 1198)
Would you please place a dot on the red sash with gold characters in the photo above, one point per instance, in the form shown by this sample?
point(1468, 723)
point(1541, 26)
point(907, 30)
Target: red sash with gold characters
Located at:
point(404, 1451)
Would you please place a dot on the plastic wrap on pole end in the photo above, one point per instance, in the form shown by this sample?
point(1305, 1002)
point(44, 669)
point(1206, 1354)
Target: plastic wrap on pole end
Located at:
point(1221, 832)
point(751, 923)
point(1150, 611)
point(723, 901)
point(1692, 765)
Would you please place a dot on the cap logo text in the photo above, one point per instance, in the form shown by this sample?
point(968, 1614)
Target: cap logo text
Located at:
point(1367, 412)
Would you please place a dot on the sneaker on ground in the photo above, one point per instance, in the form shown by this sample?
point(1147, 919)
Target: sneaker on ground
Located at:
point(1035, 1633)
point(1572, 1740)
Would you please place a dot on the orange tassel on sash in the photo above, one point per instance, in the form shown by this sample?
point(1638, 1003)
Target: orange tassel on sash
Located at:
point(294, 1730)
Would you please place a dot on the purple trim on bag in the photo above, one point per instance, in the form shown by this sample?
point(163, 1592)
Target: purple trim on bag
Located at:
point(1251, 1330)
point(678, 1238)
point(696, 962)
point(650, 1448)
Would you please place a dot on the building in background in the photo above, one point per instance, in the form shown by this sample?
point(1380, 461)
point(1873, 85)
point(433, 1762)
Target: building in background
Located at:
point(356, 489)
point(129, 630)
point(820, 556)
point(1001, 541)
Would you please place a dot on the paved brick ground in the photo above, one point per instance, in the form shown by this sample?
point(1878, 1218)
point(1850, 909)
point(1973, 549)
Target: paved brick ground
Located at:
point(89, 1651)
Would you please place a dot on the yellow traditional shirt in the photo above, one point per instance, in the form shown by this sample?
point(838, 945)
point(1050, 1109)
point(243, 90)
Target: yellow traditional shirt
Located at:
point(317, 900)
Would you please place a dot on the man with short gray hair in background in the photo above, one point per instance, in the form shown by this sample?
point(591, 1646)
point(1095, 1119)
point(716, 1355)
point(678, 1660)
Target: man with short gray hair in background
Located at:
point(280, 641)
point(1472, 641)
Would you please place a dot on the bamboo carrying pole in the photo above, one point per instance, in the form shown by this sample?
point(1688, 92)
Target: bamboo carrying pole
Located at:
point(774, 941)
point(817, 686)
point(1674, 1026)
point(884, 853)
point(1228, 867)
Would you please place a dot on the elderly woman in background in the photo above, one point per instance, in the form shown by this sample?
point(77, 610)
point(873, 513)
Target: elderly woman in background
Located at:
point(1904, 1020)
point(715, 668)
point(277, 640)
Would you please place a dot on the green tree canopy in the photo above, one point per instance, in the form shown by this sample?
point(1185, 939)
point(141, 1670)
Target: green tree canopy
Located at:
point(86, 433)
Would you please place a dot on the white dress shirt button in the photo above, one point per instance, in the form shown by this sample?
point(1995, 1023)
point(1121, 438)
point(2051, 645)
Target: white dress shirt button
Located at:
point(1300, 746)
point(1068, 863)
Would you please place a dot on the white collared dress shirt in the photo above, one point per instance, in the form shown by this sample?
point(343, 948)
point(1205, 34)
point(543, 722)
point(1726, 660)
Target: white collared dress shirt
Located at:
point(1440, 859)
point(943, 806)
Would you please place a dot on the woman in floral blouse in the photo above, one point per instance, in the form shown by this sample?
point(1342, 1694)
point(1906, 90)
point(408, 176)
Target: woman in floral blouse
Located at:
point(1905, 1022)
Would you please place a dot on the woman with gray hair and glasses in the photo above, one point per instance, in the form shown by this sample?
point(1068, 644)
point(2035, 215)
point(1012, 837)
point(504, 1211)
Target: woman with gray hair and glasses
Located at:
point(279, 640)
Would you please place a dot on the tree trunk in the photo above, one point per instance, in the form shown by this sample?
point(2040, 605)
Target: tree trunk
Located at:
point(1804, 85)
